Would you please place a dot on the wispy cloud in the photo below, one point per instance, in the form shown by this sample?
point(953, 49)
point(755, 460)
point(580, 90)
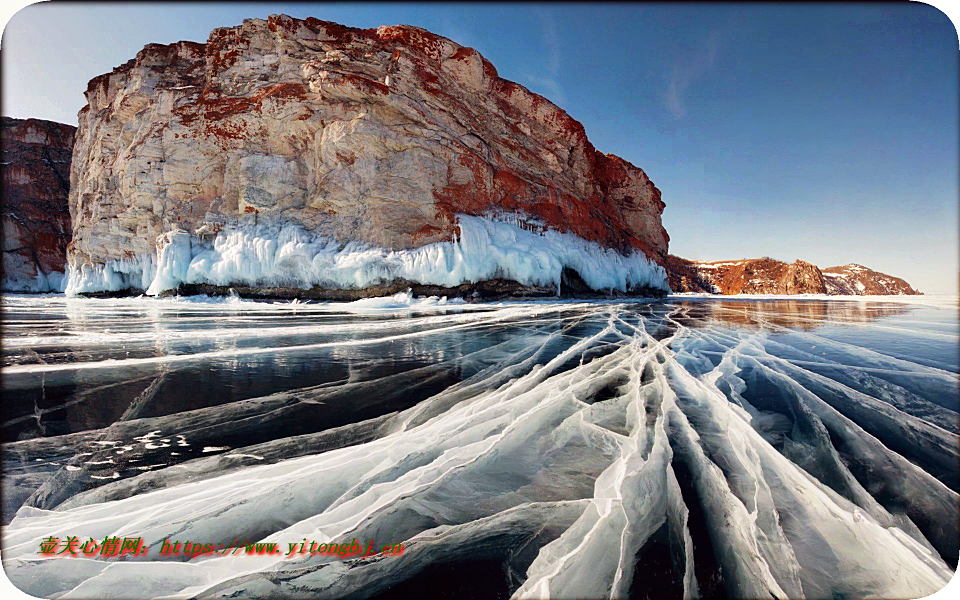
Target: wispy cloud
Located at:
point(549, 80)
point(551, 40)
point(686, 70)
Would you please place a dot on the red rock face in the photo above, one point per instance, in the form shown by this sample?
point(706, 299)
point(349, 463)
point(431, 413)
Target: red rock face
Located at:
point(684, 277)
point(748, 276)
point(36, 219)
point(768, 276)
point(375, 135)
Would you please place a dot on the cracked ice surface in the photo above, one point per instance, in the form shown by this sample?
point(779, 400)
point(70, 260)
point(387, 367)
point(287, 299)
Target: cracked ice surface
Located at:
point(694, 447)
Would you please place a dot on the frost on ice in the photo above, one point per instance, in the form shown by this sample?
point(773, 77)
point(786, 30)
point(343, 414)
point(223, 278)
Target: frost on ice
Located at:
point(288, 256)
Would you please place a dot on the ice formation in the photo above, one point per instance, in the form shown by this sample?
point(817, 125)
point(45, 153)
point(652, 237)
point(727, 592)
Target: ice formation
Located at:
point(40, 283)
point(287, 256)
point(579, 447)
point(114, 275)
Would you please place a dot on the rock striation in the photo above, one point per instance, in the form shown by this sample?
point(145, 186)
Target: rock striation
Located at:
point(36, 216)
point(857, 280)
point(769, 276)
point(342, 158)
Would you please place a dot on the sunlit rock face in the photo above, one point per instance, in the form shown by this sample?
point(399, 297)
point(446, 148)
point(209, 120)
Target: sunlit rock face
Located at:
point(36, 220)
point(381, 137)
point(857, 280)
point(748, 276)
point(769, 276)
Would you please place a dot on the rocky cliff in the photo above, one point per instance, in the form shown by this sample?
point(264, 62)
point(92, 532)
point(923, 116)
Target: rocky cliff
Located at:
point(302, 153)
point(36, 217)
point(857, 280)
point(769, 276)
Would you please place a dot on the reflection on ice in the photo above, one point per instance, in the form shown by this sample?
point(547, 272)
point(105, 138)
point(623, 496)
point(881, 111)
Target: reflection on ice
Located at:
point(772, 448)
point(805, 314)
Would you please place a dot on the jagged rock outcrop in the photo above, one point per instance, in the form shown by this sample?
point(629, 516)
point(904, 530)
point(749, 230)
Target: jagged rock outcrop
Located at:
point(769, 276)
point(36, 217)
point(286, 128)
point(858, 280)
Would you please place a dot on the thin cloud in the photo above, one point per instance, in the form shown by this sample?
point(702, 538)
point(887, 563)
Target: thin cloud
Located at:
point(550, 79)
point(688, 69)
point(551, 40)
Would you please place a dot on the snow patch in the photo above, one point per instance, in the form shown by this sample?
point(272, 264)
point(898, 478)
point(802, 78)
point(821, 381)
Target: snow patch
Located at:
point(717, 265)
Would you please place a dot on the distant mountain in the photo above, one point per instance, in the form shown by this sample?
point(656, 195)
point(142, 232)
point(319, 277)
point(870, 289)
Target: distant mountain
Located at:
point(769, 276)
point(858, 280)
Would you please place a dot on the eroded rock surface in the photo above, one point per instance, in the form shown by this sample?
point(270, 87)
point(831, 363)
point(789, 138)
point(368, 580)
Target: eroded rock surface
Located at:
point(36, 218)
point(380, 137)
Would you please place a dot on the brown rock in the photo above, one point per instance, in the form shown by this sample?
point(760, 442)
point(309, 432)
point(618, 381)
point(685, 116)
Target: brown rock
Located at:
point(769, 276)
point(684, 277)
point(747, 276)
point(36, 218)
point(857, 280)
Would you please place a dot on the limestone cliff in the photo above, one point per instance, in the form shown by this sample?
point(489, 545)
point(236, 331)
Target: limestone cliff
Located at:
point(769, 276)
point(284, 152)
point(36, 218)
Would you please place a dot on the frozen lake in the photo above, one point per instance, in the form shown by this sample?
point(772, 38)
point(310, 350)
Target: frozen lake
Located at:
point(740, 447)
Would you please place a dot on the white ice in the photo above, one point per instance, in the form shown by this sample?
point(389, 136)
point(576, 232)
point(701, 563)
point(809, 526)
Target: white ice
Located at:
point(286, 255)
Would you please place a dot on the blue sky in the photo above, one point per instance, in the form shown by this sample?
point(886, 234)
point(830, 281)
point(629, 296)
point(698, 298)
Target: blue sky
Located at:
point(822, 132)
